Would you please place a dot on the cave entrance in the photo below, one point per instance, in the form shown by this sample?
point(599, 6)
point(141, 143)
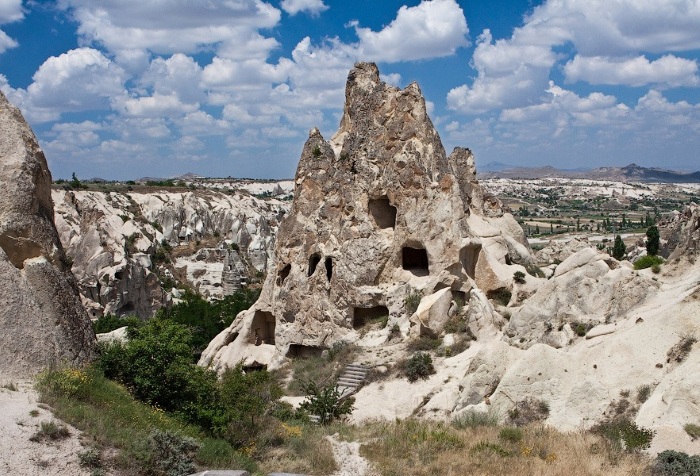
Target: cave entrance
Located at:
point(383, 212)
point(262, 329)
point(313, 262)
point(469, 256)
point(361, 316)
point(303, 351)
point(415, 260)
point(283, 273)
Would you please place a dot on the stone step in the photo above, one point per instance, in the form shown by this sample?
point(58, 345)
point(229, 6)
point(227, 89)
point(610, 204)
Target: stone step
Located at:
point(357, 378)
point(357, 367)
point(355, 372)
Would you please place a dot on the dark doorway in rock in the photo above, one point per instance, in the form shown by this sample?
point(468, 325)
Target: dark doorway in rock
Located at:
point(383, 212)
point(415, 260)
point(283, 273)
point(313, 262)
point(469, 256)
point(361, 316)
point(303, 351)
point(329, 268)
point(262, 329)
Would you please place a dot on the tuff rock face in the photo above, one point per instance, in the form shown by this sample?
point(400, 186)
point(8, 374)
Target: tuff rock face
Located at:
point(379, 212)
point(42, 321)
point(112, 239)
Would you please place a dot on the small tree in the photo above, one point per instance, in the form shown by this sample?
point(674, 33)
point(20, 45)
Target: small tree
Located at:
point(326, 402)
point(652, 241)
point(618, 251)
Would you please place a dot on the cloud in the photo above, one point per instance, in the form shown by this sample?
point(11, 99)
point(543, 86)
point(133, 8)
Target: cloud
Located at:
point(669, 71)
point(429, 30)
point(312, 7)
point(158, 105)
point(10, 11)
point(130, 28)
point(79, 80)
point(607, 36)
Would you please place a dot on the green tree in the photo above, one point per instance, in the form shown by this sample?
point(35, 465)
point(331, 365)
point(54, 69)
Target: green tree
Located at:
point(652, 241)
point(326, 402)
point(618, 251)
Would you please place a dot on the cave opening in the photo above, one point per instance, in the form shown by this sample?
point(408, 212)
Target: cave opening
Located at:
point(415, 260)
point(361, 316)
point(262, 329)
point(313, 263)
point(383, 212)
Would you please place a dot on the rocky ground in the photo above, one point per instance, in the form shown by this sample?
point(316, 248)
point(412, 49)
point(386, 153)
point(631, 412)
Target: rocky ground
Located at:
point(20, 420)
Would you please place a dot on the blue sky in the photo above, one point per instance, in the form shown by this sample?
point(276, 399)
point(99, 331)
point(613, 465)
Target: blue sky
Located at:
point(123, 89)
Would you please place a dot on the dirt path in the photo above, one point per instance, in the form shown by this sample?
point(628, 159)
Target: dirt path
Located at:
point(347, 455)
point(21, 456)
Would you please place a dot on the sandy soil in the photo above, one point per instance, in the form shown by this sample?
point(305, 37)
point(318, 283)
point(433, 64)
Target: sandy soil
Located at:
point(347, 455)
point(19, 455)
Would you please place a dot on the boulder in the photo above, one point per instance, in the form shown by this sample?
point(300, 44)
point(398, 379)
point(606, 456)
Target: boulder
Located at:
point(42, 320)
point(432, 314)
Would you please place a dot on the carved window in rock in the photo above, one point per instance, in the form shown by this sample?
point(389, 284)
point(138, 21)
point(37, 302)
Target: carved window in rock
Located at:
point(329, 268)
point(313, 263)
point(262, 329)
point(415, 260)
point(383, 212)
point(361, 316)
point(469, 257)
point(283, 273)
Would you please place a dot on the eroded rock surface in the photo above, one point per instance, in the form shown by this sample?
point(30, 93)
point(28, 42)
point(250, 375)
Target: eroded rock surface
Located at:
point(113, 240)
point(379, 213)
point(42, 321)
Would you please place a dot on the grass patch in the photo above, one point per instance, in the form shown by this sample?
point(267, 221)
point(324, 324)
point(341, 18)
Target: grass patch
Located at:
point(692, 430)
point(10, 386)
point(323, 369)
point(113, 419)
point(475, 419)
point(50, 430)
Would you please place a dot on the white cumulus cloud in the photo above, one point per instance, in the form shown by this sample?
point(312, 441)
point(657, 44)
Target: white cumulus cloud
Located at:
point(429, 30)
point(312, 7)
point(10, 11)
point(668, 70)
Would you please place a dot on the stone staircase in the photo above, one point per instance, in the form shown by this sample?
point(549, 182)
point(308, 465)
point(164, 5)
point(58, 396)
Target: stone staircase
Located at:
point(352, 378)
point(349, 382)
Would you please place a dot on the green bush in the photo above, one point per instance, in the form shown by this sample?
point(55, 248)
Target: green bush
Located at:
point(412, 301)
point(519, 277)
point(623, 433)
point(528, 411)
point(110, 322)
point(692, 430)
point(643, 393)
point(325, 402)
point(674, 463)
point(171, 454)
point(419, 366)
point(648, 261)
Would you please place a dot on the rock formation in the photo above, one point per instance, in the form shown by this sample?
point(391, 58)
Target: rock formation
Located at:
point(683, 234)
point(380, 213)
point(113, 238)
point(42, 321)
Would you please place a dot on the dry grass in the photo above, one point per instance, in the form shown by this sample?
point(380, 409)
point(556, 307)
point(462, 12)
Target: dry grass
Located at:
point(426, 448)
point(305, 450)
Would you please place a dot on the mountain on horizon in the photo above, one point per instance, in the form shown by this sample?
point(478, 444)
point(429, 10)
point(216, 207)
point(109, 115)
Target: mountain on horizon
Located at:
point(628, 173)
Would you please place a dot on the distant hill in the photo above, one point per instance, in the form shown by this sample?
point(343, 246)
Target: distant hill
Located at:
point(629, 173)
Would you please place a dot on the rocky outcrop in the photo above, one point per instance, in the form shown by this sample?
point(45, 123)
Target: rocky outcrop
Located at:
point(115, 241)
point(587, 289)
point(380, 212)
point(683, 234)
point(557, 251)
point(42, 321)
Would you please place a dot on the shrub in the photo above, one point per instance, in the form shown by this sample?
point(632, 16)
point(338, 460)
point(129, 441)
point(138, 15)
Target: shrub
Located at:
point(487, 447)
point(474, 419)
point(528, 411)
point(643, 393)
point(652, 240)
point(69, 382)
point(647, 261)
point(110, 322)
point(501, 295)
point(618, 250)
point(623, 433)
point(419, 366)
point(519, 277)
point(675, 463)
point(90, 458)
point(656, 269)
point(171, 454)
point(412, 301)
point(680, 351)
point(325, 402)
